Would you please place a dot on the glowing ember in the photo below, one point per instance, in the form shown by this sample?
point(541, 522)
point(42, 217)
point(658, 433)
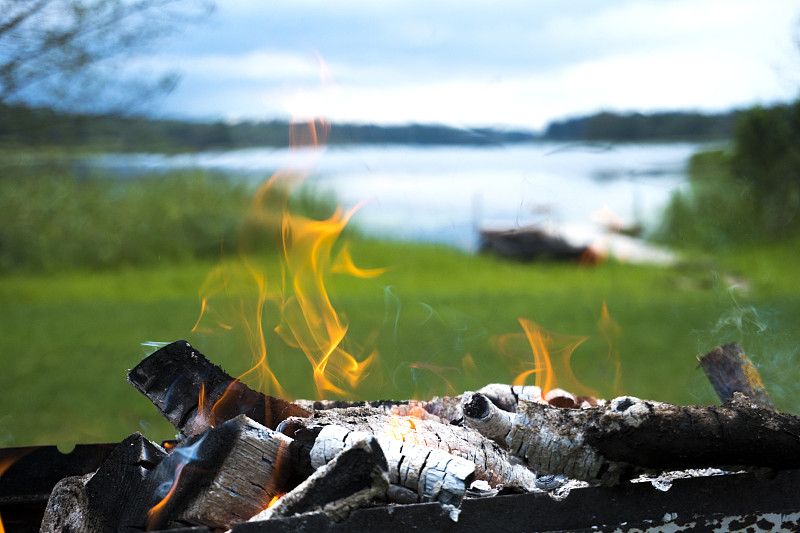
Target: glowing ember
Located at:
point(403, 429)
point(274, 500)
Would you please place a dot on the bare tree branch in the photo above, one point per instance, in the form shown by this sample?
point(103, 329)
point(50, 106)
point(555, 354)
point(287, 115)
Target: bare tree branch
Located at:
point(65, 51)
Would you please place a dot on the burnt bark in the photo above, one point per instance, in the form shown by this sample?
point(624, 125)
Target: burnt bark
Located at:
point(195, 394)
point(730, 370)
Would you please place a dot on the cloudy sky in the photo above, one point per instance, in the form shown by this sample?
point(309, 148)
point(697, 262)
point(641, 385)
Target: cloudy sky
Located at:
point(507, 63)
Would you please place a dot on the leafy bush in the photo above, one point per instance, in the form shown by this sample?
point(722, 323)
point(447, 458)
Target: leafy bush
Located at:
point(51, 219)
point(751, 193)
point(766, 162)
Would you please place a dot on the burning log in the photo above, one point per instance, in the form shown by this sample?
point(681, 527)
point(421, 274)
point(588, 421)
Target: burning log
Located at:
point(491, 463)
point(218, 478)
point(628, 436)
point(729, 370)
point(195, 394)
point(356, 474)
point(96, 502)
point(445, 409)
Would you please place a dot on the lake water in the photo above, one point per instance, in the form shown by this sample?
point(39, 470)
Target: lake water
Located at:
point(443, 194)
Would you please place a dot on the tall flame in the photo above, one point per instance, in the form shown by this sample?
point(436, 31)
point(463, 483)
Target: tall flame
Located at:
point(291, 302)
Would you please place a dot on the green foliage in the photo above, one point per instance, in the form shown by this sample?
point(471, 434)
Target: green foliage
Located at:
point(67, 338)
point(50, 219)
point(766, 162)
point(42, 127)
point(714, 212)
point(748, 194)
point(639, 127)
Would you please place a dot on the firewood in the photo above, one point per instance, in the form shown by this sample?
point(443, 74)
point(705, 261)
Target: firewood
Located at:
point(68, 508)
point(195, 394)
point(355, 475)
point(96, 502)
point(417, 473)
point(506, 397)
point(490, 461)
point(729, 370)
point(218, 478)
point(629, 436)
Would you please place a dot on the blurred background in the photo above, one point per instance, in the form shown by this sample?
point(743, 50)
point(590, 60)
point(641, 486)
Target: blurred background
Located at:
point(407, 196)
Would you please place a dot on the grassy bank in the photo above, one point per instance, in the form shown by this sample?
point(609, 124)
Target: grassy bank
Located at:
point(67, 338)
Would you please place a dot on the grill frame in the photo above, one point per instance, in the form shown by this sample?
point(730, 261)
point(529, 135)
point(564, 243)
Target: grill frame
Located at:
point(755, 501)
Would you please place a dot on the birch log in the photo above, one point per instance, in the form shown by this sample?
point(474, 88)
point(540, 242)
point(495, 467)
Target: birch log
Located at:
point(629, 436)
point(491, 462)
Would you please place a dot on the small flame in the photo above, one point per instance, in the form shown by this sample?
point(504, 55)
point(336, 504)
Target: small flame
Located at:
point(403, 429)
point(185, 455)
point(610, 331)
point(275, 499)
point(551, 357)
point(154, 514)
point(11, 457)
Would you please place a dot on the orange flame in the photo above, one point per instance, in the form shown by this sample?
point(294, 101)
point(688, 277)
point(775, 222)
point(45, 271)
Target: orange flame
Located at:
point(11, 457)
point(403, 429)
point(275, 499)
point(551, 357)
point(154, 514)
point(610, 331)
point(290, 303)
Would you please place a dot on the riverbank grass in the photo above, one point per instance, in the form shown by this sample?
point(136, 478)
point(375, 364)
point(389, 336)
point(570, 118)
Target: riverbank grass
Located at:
point(434, 317)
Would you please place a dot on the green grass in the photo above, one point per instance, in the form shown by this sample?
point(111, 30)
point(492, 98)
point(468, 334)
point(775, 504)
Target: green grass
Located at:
point(67, 338)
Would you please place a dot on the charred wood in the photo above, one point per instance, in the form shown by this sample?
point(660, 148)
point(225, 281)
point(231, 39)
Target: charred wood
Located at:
point(355, 475)
point(629, 436)
point(96, 502)
point(195, 394)
point(730, 370)
point(216, 479)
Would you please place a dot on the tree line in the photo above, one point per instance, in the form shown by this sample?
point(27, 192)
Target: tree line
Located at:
point(22, 125)
point(629, 127)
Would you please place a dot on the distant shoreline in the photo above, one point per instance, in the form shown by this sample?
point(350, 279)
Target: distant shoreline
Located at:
point(29, 127)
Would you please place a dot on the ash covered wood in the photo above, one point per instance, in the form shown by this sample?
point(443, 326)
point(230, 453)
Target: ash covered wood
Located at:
point(629, 436)
point(491, 462)
point(195, 394)
point(356, 474)
point(730, 370)
point(417, 473)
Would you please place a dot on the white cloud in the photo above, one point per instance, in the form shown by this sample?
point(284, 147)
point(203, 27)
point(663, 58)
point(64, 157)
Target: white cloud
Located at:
point(514, 62)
